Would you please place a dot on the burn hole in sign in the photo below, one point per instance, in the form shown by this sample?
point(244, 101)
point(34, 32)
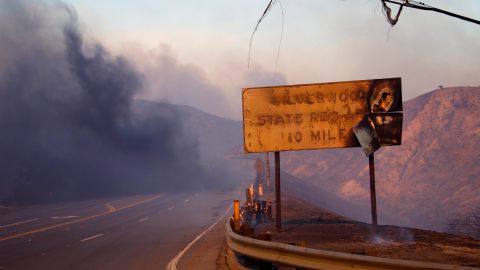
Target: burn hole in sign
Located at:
point(385, 96)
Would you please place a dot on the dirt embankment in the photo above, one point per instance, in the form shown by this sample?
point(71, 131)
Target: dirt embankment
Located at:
point(315, 228)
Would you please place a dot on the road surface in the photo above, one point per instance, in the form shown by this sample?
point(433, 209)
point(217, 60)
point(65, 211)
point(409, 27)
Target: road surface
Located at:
point(137, 232)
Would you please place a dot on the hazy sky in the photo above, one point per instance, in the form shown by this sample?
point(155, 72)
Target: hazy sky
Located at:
point(196, 52)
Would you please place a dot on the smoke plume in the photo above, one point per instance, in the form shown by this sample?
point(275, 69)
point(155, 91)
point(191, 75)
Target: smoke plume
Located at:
point(68, 128)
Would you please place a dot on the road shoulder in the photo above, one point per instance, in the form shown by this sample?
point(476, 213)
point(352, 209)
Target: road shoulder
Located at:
point(207, 252)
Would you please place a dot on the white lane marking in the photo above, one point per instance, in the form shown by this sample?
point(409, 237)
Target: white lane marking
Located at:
point(18, 223)
point(186, 200)
point(171, 208)
point(144, 219)
point(92, 237)
point(64, 217)
point(172, 265)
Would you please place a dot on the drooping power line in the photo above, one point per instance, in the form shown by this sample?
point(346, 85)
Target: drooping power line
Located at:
point(418, 5)
point(270, 5)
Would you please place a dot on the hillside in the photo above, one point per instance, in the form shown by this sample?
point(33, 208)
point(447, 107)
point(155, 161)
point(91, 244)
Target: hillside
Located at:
point(214, 138)
point(433, 175)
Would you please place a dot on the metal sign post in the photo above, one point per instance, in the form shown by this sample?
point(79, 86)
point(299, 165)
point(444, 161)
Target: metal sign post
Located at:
point(268, 178)
point(373, 195)
point(278, 200)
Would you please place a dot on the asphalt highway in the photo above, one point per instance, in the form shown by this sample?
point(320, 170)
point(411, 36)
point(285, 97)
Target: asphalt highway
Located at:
point(137, 232)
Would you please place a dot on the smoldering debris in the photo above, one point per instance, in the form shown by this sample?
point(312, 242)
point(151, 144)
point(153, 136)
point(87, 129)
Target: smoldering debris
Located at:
point(68, 130)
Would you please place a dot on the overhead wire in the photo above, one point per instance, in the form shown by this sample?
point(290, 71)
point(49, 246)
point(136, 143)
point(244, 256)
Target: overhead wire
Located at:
point(388, 13)
point(281, 36)
point(421, 6)
point(270, 5)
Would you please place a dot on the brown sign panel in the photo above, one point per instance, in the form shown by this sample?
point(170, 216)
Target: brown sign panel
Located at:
point(314, 116)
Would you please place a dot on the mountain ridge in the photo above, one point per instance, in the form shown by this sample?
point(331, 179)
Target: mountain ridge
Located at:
point(432, 176)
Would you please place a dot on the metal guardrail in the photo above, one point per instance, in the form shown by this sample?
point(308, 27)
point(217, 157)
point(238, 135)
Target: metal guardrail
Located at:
point(320, 259)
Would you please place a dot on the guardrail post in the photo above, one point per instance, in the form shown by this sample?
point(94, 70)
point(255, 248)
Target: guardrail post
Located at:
point(278, 200)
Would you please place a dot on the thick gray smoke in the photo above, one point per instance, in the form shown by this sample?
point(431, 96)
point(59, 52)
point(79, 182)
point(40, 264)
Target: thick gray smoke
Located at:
point(67, 125)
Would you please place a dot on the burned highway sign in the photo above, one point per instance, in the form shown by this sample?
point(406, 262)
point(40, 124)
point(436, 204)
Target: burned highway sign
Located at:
point(315, 116)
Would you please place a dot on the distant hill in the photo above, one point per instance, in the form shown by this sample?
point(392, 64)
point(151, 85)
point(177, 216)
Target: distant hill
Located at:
point(433, 175)
point(215, 138)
